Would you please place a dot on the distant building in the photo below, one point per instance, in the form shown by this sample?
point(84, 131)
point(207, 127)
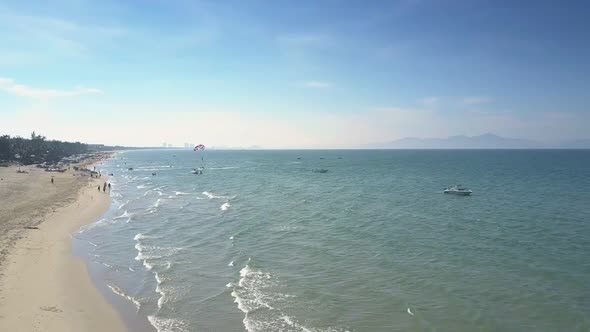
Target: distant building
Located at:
point(169, 145)
point(95, 147)
point(164, 144)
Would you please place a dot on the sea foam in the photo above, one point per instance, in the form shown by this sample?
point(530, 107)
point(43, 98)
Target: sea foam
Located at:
point(167, 324)
point(121, 293)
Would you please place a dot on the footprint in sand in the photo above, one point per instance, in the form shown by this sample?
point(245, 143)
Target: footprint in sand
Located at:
point(52, 309)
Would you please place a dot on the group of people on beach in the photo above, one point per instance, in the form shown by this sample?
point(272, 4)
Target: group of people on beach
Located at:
point(104, 187)
point(94, 173)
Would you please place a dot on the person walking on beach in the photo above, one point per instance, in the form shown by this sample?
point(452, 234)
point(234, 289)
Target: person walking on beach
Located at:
point(52, 180)
point(109, 185)
point(104, 187)
point(99, 188)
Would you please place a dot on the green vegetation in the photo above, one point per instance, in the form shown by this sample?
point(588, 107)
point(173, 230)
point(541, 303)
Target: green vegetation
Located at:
point(37, 149)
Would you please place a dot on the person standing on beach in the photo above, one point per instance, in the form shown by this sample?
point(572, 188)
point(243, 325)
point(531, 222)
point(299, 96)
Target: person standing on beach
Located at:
point(104, 187)
point(109, 185)
point(52, 180)
point(99, 188)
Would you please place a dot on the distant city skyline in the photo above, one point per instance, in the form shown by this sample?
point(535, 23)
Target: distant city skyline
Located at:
point(302, 74)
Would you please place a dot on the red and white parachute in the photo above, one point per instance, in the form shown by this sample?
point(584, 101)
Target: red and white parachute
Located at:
point(199, 147)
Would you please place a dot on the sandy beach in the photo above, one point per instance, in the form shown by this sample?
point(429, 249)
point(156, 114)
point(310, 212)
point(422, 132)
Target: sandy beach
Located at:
point(43, 286)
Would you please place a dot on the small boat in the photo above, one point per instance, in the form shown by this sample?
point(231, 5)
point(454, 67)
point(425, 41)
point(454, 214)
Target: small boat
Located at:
point(130, 169)
point(320, 170)
point(458, 190)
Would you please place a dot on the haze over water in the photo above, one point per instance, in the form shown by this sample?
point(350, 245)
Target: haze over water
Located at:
point(259, 242)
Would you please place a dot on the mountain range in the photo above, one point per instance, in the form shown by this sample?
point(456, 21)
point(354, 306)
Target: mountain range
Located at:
point(485, 141)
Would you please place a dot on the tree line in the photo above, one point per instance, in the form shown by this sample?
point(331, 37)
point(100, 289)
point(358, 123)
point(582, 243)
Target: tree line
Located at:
point(37, 149)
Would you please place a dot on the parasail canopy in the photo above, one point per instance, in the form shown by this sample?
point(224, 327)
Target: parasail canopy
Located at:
point(199, 147)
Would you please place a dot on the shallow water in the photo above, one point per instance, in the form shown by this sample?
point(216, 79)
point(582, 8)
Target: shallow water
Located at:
point(259, 242)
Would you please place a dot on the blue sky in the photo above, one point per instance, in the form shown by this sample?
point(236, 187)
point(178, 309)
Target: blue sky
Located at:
point(330, 73)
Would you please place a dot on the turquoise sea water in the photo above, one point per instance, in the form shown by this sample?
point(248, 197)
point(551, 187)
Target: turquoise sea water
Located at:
point(259, 242)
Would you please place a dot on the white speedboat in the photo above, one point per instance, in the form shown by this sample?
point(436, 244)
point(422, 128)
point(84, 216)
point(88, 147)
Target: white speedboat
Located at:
point(458, 190)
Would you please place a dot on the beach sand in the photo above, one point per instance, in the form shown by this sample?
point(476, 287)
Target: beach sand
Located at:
point(43, 287)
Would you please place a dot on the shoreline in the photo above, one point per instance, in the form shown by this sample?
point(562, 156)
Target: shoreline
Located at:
point(44, 285)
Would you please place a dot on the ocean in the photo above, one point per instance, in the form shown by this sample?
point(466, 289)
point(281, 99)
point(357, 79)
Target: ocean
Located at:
point(260, 242)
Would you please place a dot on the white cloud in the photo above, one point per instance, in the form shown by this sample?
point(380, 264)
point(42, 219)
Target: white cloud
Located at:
point(475, 100)
point(446, 102)
point(430, 101)
point(10, 86)
point(317, 84)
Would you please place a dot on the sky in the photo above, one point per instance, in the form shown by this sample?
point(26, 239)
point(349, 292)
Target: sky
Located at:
point(293, 74)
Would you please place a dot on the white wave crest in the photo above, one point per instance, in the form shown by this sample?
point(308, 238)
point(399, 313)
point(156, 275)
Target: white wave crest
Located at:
point(100, 223)
point(124, 215)
point(225, 206)
point(123, 205)
point(212, 196)
point(167, 324)
point(141, 236)
point(257, 290)
point(121, 293)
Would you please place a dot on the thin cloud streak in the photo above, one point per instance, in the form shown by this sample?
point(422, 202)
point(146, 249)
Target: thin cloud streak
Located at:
point(430, 101)
point(317, 85)
point(10, 86)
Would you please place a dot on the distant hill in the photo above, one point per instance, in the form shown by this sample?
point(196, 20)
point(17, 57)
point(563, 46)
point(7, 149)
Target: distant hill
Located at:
point(486, 141)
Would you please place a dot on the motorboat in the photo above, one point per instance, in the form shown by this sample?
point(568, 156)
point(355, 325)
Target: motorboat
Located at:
point(320, 170)
point(458, 190)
